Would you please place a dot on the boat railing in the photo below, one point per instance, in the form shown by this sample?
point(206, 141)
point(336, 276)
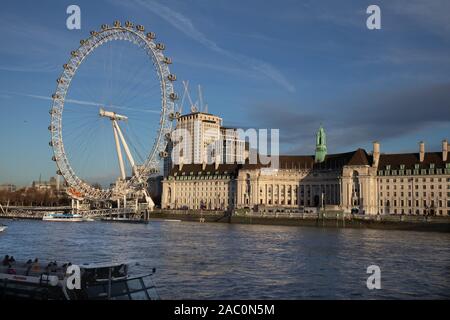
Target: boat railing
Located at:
point(106, 212)
point(33, 270)
point(118, 284)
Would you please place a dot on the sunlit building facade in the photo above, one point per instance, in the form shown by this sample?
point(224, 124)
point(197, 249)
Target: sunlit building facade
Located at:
point(356, 181)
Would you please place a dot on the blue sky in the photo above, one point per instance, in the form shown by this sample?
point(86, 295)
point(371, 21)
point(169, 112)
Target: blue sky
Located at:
point(266, 64)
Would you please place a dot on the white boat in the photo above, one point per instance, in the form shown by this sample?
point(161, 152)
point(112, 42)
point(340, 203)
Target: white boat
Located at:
point(62, 217)
point(3, 227)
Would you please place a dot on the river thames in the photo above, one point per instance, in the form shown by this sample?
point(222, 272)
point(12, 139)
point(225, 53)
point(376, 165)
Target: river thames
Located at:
point(230, 261)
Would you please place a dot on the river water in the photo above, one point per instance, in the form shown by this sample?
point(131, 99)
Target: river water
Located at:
point(231, 261)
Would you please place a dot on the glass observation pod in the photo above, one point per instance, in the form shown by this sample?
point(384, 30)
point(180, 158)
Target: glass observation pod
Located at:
point(107, 281)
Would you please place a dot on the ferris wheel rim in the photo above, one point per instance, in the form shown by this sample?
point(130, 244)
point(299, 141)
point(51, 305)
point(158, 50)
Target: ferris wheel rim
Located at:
point(77, 187)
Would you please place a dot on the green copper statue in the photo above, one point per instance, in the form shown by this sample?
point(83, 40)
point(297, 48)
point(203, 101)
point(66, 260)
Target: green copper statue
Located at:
point(321, 145)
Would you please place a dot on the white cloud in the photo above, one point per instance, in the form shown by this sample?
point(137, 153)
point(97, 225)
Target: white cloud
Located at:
point(185, 25)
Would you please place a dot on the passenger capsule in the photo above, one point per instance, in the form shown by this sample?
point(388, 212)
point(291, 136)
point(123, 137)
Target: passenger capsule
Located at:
point(55, 96)
point(58, 172)
point(82, 41)
point(53, 158)
point(117, 23)
point(172, 77)
point(160, 46)
point(173, 96)
point(93, 33)
point(140, 28)
point(163, 154)
point(74, 53)
point(167, 60)
point(174, 115)
point(104, 26)
point(168, 135)
point(128, 24)
point(50, 128)
point(151, 35)
point(60, 80)
point(50, 144)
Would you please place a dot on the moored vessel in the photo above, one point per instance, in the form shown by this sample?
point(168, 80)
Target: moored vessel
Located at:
point(98, 281)
point(125, 220)
point(63, 217)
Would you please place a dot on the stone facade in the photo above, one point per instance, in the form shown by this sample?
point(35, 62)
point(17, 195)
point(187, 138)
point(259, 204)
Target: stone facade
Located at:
point(376, 183)
point(209, 187)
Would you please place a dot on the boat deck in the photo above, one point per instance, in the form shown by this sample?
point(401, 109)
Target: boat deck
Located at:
point(33, 269)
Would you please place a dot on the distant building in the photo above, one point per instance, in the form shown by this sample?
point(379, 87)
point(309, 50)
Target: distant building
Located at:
point(9, 187)
point(209, 142)
point(233, 149)
point(52, 184)
point(376, 183)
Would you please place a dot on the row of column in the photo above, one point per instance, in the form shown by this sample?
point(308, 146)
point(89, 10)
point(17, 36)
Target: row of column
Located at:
point(251, 193)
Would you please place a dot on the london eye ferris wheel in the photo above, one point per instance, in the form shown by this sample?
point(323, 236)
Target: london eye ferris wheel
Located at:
point(111, 117)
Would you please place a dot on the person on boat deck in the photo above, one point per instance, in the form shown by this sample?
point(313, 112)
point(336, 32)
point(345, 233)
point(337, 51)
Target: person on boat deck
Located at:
point(28, 265)
point(51, 267)
point(11, 270)
point(6, 260)
point(35, 267)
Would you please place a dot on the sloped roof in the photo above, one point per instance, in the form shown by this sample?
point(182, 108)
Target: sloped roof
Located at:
point(331, 162)
point(409, 160)
point(359, 157)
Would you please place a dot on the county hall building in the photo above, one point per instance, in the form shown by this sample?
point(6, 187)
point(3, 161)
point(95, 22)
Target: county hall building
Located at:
point(356, 181)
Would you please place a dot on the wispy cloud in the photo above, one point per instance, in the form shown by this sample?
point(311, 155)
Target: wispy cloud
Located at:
point(32, 68)
point(185, 25)
point(87, 103)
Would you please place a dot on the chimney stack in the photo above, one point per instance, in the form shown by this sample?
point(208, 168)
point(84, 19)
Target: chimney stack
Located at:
point(422, 151)
point(444, 150)
point(376, 153)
